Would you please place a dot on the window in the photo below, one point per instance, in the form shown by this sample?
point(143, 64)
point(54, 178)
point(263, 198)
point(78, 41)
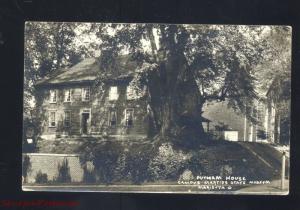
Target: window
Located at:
point(68, 95)
point(67, 119)
point(113, 93)
point(52, 120)
point(129, 93)
point(86, 94)
point(113, 118)
point(129, 117)
point(134, 92)
point(53, 96)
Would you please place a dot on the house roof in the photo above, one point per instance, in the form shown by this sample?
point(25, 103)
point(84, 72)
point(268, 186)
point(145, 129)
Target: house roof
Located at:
point(88, 70)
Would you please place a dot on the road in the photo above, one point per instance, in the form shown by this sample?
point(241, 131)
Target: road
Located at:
point(271, 189)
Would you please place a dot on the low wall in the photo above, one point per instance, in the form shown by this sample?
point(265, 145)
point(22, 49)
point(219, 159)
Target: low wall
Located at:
point(48, 164)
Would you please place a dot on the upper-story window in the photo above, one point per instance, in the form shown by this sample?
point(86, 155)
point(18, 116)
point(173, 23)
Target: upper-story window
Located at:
point(68, 95)
point(86, 92)
point(129, 93)
point(113, 93)
point(52, 118)
point(53, 96)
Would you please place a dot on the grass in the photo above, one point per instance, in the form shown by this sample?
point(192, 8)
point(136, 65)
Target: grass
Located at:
point(211, 158)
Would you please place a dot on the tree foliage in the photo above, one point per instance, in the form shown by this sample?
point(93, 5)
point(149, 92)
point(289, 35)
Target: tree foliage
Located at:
point(184, 66)
point(48, 47)
point(180, 67)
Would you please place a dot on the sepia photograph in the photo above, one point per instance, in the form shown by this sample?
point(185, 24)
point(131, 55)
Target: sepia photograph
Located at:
point(156, 108)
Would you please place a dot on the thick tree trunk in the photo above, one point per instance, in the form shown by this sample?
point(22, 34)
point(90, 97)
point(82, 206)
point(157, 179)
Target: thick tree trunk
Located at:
point(174, 94)
point(176, 105)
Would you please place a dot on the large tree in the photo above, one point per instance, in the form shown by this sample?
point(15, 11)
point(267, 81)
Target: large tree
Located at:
point(184, 66)
point(181, 66)
point(48, 47)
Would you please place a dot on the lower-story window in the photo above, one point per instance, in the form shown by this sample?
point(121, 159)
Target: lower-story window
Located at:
point(52, 119)
point(129, 117)
point(113, 118)
point(67, 119)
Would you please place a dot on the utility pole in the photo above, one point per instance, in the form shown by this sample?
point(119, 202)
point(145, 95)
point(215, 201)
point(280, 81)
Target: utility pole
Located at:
point(245, 128)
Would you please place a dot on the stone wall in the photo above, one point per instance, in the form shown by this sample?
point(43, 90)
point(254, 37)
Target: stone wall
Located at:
point(48, 164)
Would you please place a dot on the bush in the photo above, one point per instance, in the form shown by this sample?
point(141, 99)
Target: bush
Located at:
point(26, 167)
point(115, 162)
point(168, 164)
point(63, 172)
point(137, 163)
point(89, 175)
point(41, 178)
point(106, 159)
point(196, 164)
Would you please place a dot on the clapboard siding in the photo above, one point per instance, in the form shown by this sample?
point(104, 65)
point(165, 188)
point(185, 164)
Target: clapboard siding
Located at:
point(99, 106)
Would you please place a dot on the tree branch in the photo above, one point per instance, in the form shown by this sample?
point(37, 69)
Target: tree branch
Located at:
point(152, 42)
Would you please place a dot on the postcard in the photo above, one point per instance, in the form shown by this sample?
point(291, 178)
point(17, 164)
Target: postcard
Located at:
point(156, 108)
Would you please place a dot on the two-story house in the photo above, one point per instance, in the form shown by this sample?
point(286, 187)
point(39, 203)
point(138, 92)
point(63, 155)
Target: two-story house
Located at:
point(74, 102)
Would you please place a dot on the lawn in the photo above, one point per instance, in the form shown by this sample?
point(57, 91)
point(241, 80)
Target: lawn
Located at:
point(147, 161)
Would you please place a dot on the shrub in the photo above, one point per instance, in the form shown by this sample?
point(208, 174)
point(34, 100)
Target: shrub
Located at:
point(89, 175)
point(106, 161)
point(195, 165)
point(168, 164)
point(115, 162)
point(120, 173)
point(41, 178)
point(26, 167)
point(63, 172)
point(137, 163)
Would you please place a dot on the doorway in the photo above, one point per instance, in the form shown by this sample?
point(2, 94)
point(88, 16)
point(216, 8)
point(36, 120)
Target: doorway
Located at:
point(85, 122)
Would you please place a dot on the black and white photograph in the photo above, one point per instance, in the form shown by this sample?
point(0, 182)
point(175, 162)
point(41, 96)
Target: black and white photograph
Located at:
point(156, 108)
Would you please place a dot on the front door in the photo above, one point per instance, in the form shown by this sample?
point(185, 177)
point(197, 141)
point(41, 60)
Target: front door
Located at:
point(84, 122)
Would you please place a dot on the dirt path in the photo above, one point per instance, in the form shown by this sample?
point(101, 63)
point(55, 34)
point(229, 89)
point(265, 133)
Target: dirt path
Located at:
point(273, 188)
point(264, 152)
